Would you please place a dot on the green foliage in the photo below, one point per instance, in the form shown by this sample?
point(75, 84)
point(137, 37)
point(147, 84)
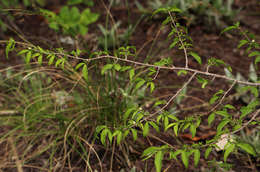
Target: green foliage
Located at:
point(70, 20)
point(16, 3)
point(111, 39)
point(246, 93)
point(211, 12)
point(249, 143)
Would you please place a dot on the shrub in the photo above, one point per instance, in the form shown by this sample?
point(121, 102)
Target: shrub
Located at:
point(103, 99)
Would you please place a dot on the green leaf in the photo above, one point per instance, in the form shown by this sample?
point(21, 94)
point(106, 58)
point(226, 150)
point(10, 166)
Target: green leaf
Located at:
point(196, 157)
point(159, 102)
point(236, 127)
point(134, 132)
point(223, 113)
point(35, 55)
point(207, 152)
point(245, 110)
point(203, 81)
point(172, 116)
point(174, 9)
point(103, 136)
point(74, 2)
point(166, 21)
point(228, 106)
point(216, 96)
point(119, 137)
point(146, 129)
point(228, 29)
point(52, 57)
point(173, 44)
point(257, 60)
point(58, 62)
point(254, 91)
point(173, 155)
point(222, 124)
point(117, 67)
point(131, 74)
point(228, 150)
point(137, 116)
point(155, 126)
point(247, 147)
point(78, 51)
point(175, 129)
point(211, 118)
point(100, 128)
point(158, 161)
point(193, 130)
point(127, 113)
point(169, 126)
point(42, 51)
point(196, 56)
point(213, 99)
point(166, 122)
point(23, 52)
point(125, 68)
point(87, 17)
point(149, 152)
point(186, 125)
point(241, 43)
point(110, 136)
point(254, 53)
point(151, 84)
point(160, 10)
point(85, 72)
point(185, 158)
point(28, 57)
point(40, 59)
point(9, 47)
point(184, 72)
point(139, 84)
point(106, 67)
point(79, 65)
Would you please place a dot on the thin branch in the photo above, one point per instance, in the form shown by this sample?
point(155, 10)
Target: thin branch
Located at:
point(112, 156)
point(18, 162)
point(180, 39)
point(222, 98)
point(173, 68)
point(149, 65)
point(172, 98)
point(157, 72)
point(248, 122)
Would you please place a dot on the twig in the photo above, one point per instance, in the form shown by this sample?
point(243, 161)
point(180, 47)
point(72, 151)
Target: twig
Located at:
point(222, 98)
point(4, 113)
point(179, 36)
point(172, 98)
point(91, 147)
point(16, 157)
point(112, 156)
point(248, 122)
point(157, 72)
